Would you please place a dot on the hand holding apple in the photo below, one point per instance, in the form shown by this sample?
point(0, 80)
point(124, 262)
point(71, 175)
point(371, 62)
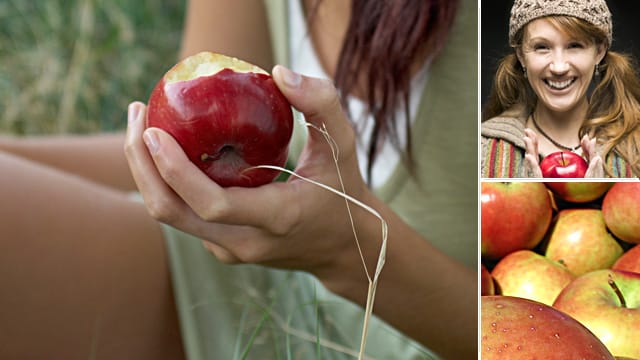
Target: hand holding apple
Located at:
point(292, 224)
point(227, 115)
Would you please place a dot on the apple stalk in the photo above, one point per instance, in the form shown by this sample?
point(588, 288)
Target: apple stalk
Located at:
point(617, 291)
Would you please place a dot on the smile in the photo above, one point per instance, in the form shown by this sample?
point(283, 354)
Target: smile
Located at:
point(560, 85)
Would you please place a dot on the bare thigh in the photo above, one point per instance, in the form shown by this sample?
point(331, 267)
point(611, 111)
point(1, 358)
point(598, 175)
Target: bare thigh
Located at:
point(83, 271)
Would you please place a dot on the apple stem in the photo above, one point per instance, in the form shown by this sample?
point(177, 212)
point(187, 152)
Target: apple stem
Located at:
point(617, 291)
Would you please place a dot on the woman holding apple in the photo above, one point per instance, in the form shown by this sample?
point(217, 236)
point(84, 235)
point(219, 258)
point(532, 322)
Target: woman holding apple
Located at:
point(124, 286)
point(562, 89)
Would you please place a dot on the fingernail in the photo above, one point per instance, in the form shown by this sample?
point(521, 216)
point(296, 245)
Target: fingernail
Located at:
point(290, 78)
point(134, 111)
point(151, 140)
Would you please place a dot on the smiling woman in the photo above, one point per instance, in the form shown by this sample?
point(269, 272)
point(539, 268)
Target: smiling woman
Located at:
point(562, 89)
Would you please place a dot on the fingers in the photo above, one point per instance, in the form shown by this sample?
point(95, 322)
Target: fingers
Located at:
point(161, 201)
point(318, 100)
point(596, 165)
point(531, 154)
point(263, 207)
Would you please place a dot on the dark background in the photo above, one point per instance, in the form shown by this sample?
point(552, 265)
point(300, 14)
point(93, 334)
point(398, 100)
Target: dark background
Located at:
point(495, 28)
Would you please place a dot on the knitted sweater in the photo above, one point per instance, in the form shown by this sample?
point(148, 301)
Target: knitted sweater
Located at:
point(503, 149)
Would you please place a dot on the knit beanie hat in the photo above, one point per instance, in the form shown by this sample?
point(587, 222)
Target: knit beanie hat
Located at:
point(594, 11)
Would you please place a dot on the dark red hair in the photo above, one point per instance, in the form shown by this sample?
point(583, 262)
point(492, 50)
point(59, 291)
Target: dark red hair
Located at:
point(383, 41)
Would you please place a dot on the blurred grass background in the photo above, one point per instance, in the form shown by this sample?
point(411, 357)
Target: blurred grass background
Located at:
point(73, 66)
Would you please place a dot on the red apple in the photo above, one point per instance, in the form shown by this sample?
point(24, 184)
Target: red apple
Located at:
point(487, 286)
point(607, 302)
point(580, 240)
point(517, 329)
point(227, 115)
point(629, 261)
point(514, 216)
point(579, 192)
point(529, 275)
point(621, 210)
point(563, 164)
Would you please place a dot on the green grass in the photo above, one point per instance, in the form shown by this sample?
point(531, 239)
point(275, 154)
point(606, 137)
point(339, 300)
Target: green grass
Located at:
point(73, 66)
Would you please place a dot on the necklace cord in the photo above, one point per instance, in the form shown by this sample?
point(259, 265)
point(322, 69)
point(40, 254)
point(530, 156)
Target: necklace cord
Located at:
point(557, 144)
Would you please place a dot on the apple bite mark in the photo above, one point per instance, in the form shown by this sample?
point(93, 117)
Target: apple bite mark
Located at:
point(227, 115)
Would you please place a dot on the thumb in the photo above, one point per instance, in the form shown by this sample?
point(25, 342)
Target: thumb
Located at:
point(317, 99)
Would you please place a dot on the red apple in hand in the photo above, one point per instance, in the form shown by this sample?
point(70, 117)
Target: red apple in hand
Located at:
point(516, 329)
point(529, 275)
point(514, 216)
point(621, 210)
point(581, 242)
point(563, 164)
point(227, 115)
point(607, 302)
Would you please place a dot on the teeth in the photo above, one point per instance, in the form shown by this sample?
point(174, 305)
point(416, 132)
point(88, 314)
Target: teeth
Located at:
point(559, 85)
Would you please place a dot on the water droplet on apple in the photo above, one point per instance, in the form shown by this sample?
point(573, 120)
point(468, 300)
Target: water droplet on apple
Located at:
point(493, 324)
point(531, 316)
point(533, 328)
point(499, 306)
point(557, 336)
point(519, 347)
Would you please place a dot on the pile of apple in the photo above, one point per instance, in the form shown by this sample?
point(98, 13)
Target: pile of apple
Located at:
point(560, 270)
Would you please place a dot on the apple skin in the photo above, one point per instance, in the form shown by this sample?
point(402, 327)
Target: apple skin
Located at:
point(514, 216)
point(517, 329)
point(226, 121)
point(591, 300)
point(487, 287)
point(563, 164)
point(529, 275)
point(629, 261)
point(579, 192)
point(580, 240)
point(621, 210)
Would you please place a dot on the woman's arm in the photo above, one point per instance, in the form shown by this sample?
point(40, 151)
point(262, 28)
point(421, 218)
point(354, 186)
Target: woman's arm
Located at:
point(297, 225)
point(236, 28)
point(98, 158)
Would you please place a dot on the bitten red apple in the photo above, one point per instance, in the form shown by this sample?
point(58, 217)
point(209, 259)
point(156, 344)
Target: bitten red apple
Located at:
point(526, 274)
point(621, 211)
point(581, 242)
point(514, 216)
point(563, 164)
point(517, 329)
point(607, 302)
point(227, 115)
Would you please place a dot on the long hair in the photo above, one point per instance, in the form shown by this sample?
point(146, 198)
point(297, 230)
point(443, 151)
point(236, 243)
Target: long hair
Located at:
point(383, 40)
point(613, 114)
